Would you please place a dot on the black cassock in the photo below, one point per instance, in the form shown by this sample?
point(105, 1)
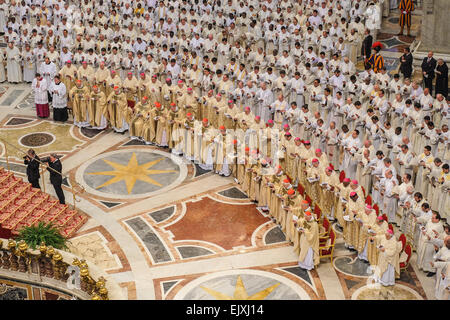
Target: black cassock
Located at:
point(366, 48)
point(442, 80)
point(406, 67)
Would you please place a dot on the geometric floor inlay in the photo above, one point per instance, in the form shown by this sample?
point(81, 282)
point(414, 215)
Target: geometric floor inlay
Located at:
point(225, 224)
point(242, 285)
point(37, 139)
point(131, 174)
point(151, 240)
point(397, 292)
point(17, 121)
point(352, 266)
point(163, 214)
point(233, 193)
point(40, 135)
point(275, 235)
point(192, 251)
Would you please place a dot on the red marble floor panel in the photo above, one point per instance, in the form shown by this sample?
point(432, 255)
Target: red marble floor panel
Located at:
point(227, 225)
point(406, 39)
point(384, 36)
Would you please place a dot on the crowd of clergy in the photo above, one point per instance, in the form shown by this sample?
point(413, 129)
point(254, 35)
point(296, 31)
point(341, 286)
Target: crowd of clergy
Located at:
point(265, 91)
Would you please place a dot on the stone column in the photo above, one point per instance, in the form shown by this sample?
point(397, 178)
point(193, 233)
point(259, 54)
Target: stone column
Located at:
point(434, 34)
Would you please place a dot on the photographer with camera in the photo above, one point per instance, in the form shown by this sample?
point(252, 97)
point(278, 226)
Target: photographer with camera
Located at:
point(32, 162)
point(54, 163)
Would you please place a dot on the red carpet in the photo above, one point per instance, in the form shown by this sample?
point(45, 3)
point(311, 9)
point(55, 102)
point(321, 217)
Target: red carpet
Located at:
point(22, 205)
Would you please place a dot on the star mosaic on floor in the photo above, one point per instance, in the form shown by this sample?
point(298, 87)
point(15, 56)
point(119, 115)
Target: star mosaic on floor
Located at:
point(131, 173)
point(262, 283)
point(126, 172)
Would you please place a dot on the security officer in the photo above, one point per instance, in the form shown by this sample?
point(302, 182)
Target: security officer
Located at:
point(56, 178)
point(32, 162)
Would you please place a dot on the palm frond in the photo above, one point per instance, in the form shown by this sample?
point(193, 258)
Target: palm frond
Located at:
point(47, 233)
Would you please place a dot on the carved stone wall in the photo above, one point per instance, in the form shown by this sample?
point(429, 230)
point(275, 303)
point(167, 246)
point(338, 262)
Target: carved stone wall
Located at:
point(435, 22)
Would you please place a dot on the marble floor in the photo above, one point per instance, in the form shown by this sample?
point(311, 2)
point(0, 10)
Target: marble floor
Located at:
point(163, 228)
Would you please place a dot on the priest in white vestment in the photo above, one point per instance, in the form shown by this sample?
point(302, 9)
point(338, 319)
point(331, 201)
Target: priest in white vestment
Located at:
point(13, 67)
point(425, 248)
point(309, 242)
point(441, 261)
point(388, 258)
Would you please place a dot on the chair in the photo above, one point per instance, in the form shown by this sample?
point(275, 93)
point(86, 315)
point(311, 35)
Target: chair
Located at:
point(324, 229)
point(377, 209)
point(408, 251)
point(326, 250)
point(341, 176)
point(308, 198)
point(369, 200)
point(317, 212)
point(402, 238)
point(301, 190)
point(364, 191)
point(391, 227)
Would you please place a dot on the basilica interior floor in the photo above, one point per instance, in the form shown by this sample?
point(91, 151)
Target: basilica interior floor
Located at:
point(180, 233)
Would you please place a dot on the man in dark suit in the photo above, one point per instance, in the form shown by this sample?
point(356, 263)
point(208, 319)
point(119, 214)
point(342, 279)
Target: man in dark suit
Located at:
point(32, 162)
point(406, 61)
point(56, 178)
point(366, 48)
point(428, 66)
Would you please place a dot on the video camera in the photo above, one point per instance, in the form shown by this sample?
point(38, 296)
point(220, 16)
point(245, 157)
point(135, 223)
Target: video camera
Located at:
point(46, 159)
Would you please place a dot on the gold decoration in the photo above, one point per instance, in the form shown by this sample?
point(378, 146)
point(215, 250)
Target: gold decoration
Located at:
point(43, 248)
point(96, 297)
point(11, 244)
point(57, 257)
point(131, 173)
point(83, 264)
point(76, 262)
point(103, 291)
point(84, 272)
point(101, 282)
point(23, 246)
point(50, 251)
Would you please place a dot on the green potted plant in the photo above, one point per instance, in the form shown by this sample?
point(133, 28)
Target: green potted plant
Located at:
point(49, 234)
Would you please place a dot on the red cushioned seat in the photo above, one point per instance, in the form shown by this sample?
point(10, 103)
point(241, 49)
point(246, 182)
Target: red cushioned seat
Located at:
point(377, 209)
point(317, 212)
point(301, 189)
point(402, 238)
point(341, 176)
